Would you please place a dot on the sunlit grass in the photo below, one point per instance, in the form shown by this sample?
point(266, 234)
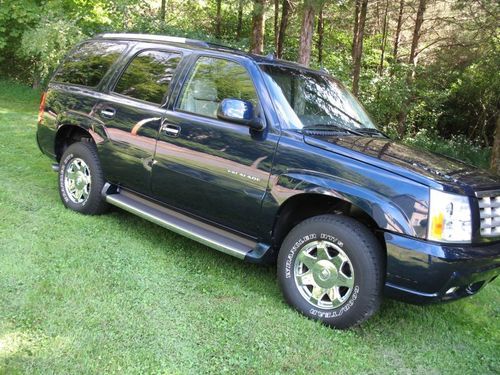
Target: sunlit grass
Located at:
point(117, 294)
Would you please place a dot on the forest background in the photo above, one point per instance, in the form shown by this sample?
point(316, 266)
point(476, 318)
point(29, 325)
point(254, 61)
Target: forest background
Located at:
point(426, 70)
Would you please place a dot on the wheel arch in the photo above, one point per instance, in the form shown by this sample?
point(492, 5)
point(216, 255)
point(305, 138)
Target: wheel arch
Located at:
point(69, 133)
point(305, 205)
point(315, 195)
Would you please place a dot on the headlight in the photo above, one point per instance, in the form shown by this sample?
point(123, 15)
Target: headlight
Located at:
point(449, 218)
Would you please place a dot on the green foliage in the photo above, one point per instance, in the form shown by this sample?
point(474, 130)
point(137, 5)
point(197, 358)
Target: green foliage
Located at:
point(384, 96)
point(456, 88)
point(45, 44)
point(458, 147)
point(473, 102)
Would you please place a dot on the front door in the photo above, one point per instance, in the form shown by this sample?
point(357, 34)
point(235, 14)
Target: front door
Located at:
point(132, 115)
point(212, 168)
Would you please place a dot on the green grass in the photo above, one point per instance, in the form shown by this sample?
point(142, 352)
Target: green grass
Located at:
point(117, 294)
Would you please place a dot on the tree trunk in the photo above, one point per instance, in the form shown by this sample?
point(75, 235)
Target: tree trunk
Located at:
point(276, 23)
point(258, 25)
point(495, 152)
point(384, 39)
point(285, 14)
point(412, 61)
point(358, 50)
point(357, 8)
point(416, 34)
point(240, 19)
point(162, 10)
point(306, 34)
point(321, 28)
point(218, 19)
point(398, 30)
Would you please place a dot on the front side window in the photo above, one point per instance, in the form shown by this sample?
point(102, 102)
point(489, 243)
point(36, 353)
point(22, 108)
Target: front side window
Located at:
point(213, 80)
point(309, 100)
point(148, 76)
point(89, 63)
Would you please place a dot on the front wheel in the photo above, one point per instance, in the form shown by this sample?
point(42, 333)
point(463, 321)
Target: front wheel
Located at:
point(330, 268)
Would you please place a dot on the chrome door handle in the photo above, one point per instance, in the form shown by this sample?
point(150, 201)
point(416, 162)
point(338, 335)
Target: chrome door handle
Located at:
point(170, 129)
point(108, 112)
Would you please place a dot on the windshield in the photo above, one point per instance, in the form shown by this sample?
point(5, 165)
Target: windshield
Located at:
point(310, 100)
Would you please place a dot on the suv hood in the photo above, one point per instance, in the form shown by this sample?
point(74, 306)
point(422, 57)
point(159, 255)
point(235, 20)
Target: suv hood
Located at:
point(422, 166)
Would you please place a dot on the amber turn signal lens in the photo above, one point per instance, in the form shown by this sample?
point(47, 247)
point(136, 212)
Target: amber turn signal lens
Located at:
point(41, 109)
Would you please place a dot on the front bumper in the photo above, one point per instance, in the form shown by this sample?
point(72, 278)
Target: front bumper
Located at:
point(420, 271)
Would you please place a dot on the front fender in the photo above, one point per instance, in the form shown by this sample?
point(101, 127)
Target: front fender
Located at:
point(384, 212)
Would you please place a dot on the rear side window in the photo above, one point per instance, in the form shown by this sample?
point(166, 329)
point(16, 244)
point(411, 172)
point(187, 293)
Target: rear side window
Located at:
point(148, 76)
point(87, 65)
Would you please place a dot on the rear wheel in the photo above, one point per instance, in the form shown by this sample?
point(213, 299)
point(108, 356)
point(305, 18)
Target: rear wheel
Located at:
point(330, 268)
point(81, 179)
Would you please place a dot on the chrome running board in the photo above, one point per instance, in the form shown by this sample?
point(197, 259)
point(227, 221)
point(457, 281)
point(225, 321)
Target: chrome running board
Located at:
point(199, 231)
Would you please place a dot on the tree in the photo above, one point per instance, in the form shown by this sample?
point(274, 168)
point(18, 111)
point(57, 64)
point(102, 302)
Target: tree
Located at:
point(321, 34)
point(416, 35)
point(384, 39)
point(357, 50)
point(357, 8)
point(306, 33)
point(286, 8)
point(412, 61)
point(240, 19)
point(163, 10)
point(218, 19)
point(258, 27)
point(398, 30)
point(276, 23)
point(495, 154)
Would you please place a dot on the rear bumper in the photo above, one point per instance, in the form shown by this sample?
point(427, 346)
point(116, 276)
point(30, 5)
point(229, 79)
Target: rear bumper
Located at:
point(424, 272)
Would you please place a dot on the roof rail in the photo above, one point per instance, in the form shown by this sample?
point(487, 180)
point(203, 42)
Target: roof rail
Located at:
point(222, 46)
point(153, 38)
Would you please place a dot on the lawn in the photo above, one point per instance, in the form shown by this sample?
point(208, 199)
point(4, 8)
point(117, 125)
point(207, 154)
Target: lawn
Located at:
point(117, 294)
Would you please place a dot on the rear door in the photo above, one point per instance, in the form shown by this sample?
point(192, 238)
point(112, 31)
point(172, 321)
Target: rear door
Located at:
point(212, 168)
point(131, 113)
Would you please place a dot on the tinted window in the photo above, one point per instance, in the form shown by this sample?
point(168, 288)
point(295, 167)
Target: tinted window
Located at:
point(213, 80)
point(88, 64)
point(148, 76)
point(310, 99)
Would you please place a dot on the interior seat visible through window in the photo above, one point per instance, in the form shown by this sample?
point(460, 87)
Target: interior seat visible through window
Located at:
point(213, 80)
point(201, 98)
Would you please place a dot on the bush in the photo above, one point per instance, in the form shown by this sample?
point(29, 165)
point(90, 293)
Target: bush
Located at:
point(458, 147)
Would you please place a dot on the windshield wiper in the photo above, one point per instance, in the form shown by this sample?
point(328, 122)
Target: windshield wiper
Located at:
point(330, 128)
point(371, 131)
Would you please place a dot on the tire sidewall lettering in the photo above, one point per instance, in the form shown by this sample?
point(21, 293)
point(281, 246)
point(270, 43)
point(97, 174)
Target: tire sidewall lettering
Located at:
point(293, 251)
point(321, 314)
point(64, 165)
point(299, 244)
point(339, 312)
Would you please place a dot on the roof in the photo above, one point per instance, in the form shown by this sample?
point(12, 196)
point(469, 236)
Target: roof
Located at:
point(201, 44)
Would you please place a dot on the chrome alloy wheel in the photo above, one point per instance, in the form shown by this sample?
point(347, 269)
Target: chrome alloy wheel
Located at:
point(77, 180)
point(324, 274)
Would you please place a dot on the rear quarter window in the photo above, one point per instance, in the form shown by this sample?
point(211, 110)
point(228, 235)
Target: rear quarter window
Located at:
point(89, 63)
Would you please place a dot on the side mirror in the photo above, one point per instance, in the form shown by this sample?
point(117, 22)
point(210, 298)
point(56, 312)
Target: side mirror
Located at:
point(240, 112)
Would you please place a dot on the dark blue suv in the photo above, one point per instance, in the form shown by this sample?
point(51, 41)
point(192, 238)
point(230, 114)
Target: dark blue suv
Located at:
point(268, 161)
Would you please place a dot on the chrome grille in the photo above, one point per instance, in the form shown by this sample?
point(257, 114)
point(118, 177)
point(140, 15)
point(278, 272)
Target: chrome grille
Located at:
point(489, 211)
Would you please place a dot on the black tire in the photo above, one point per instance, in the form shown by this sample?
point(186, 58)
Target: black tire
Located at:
point(360, 275)
point(82, 154)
